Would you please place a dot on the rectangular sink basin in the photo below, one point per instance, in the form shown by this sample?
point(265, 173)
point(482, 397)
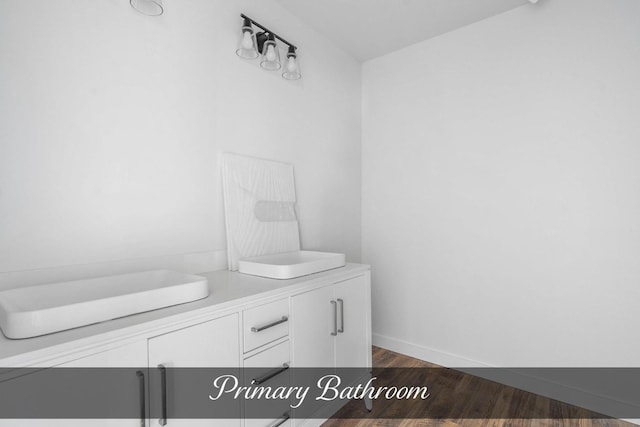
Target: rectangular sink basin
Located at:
point(37, 310)
point(288, 265)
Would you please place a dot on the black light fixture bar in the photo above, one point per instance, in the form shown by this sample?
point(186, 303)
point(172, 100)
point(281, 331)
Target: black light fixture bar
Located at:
point(266, 30)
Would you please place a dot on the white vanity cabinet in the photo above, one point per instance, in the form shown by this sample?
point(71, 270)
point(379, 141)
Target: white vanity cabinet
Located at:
point(322, 320)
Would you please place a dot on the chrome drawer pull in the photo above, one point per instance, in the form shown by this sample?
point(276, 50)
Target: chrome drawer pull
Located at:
point(335, 318)
point(267, 377)
point(282, 420)
point(270, 325)
point(341, 330)
point(143, 398)
point(163, 384)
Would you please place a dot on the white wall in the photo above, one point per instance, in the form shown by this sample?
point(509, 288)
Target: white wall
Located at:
point(111, 124)
point(501, 197)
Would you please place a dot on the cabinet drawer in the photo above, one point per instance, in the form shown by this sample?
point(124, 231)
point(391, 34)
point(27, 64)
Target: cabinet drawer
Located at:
point(268, 368)
point(273, 357)
point(264, 324)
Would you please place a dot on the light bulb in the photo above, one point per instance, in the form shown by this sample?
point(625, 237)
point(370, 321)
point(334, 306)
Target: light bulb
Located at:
point(291, 64)
point(271, 54)
point(247, 41)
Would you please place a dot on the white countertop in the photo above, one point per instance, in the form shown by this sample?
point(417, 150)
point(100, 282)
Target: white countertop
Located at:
point(228, 291)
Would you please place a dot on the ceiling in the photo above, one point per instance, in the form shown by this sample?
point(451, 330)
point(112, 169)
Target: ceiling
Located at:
point(370, 28)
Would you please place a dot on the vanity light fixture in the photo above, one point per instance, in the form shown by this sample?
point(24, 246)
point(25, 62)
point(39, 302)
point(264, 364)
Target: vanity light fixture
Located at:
point(264, 44)
point(270, 54)
point(291, 69)
point(148, 7)
point(248, 49)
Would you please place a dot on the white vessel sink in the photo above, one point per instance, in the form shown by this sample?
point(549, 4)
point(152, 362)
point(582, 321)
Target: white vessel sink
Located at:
point(288, 265)
point(43, 309)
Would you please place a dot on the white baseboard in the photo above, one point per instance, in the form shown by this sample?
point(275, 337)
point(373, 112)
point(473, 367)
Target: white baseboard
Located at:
point(510, 376)
point(438, 357)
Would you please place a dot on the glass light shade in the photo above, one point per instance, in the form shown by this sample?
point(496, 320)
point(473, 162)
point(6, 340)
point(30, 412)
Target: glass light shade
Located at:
point(247, 47)
point(291, 68)
point(270, 55)
point(148, 7)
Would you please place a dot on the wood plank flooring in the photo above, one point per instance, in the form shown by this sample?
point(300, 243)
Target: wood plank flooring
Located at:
point(476, 409)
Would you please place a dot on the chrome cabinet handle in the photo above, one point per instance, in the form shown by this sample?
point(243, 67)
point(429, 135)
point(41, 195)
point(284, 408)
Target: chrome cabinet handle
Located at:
point(335, 318)
point(282, 420)
point(341, 302)
point(270, 325)
point(270, 375)
point(163, 390)
point(143, 398)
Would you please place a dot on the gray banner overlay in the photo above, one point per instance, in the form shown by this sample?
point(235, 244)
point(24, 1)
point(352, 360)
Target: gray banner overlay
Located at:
point(435, 393)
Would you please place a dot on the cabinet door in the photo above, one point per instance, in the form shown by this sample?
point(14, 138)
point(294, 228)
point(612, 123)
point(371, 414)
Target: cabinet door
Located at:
point(312, 342)
point(130, 355)
point(353, 342)
point(313, 323)
point(210, 344)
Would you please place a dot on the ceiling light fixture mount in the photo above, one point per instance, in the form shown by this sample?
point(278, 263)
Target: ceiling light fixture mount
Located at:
point(148, 7)
point(264, 44)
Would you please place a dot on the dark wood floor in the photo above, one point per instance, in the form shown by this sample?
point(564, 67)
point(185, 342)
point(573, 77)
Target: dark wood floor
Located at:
point(471, 398)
